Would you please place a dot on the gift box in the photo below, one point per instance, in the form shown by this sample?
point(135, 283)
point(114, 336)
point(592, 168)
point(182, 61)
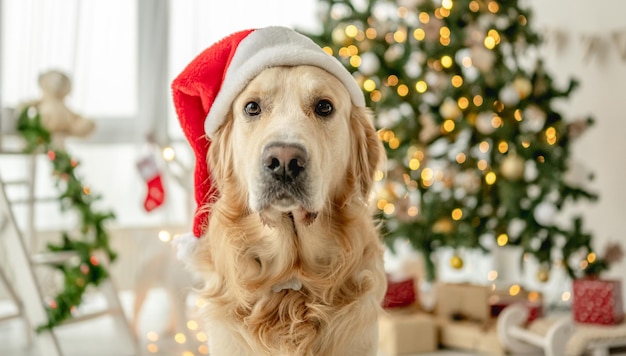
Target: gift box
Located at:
point(403, 331)
point(462, 302)
point(400, 292)
point(500, 299)
point(597, 301)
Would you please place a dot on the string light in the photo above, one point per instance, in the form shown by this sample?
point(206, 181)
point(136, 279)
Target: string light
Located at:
point(460, 158)
point(328, 50)
point(180, 338)
point(502, 239)
point(456, 81)
point(492, 275)
point(369, 85)
point(165, 236)
point(421, 86)
point(457, 214)
point(478, 100)
point(168, 153)
point(351, 31)
point(153, 348)
point(419, 34)
point(490, 178)
point(566, 296)
point(424, 17)
point(403, 90)
point(448, 125)
point(515, 289)
point(474, 6)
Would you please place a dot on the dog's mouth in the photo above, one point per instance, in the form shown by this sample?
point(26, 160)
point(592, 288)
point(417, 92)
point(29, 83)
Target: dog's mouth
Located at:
point(280, 199)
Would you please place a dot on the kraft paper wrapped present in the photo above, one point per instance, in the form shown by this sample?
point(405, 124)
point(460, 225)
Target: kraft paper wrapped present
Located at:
point(463, 302)
point(406, 331)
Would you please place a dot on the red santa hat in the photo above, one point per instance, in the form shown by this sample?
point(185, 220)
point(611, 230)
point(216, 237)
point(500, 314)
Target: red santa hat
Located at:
point(203, 93)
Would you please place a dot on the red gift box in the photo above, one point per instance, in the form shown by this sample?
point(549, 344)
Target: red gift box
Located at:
point(400, 293)
point(598, 301)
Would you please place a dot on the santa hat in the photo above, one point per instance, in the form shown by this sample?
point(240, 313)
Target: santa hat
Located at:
point(205, 90)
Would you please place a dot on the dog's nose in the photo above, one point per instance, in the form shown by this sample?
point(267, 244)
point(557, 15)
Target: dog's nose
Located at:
point(284, 161)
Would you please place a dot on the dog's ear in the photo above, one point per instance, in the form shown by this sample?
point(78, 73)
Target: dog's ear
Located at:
point(368, 151)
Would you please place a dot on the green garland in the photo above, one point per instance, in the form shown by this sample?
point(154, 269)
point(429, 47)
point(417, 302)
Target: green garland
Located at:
point(92, 236)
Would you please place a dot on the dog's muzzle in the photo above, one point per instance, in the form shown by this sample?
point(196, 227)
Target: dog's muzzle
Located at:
point(284, 162)
point(284, 179)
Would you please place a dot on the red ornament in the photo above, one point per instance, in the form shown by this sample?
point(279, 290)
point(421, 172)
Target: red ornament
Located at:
point(73, 163)
point(94, 260)
point(597, 301)
point(51, 155)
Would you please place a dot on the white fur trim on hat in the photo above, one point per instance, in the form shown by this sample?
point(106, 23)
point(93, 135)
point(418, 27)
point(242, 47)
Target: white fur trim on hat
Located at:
point(272, 47)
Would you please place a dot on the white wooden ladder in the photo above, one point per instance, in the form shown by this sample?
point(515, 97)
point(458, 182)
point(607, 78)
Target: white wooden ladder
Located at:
point(26, 291)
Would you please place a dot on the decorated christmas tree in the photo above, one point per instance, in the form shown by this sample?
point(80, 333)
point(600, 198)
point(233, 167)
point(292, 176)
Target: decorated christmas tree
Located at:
point(478, 153)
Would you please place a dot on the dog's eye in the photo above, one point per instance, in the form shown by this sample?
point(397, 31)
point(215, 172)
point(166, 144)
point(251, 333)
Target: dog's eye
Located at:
point(252, 109)
point(323, 108)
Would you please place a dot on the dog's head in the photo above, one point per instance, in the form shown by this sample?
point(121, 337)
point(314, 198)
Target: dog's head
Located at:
point(294, 142)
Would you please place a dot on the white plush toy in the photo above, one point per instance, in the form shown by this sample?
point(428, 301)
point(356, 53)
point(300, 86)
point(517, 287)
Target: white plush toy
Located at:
point(56, 117)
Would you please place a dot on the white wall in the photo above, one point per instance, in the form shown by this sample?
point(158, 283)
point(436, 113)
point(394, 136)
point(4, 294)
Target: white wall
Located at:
point(602, 94)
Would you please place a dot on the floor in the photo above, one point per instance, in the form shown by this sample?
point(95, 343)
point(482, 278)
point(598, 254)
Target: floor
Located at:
point(98, 337)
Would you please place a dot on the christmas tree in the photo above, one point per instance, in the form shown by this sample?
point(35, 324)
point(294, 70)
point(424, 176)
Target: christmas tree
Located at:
point(477, 151)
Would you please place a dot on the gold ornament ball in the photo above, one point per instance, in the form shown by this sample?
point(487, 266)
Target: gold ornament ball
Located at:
point(456, 262)
point(512, 167)
point(543, 275)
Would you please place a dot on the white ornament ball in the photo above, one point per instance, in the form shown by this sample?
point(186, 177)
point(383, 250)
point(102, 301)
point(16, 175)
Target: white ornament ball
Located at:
point(483, 123)
point(523, 86)
point(509, 95)
point(512, 167)
point(449, 109)
point(545, 213)
point(533, 119)
point(369, 63)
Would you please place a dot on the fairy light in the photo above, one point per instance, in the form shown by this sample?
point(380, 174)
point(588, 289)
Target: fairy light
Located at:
point(460, 158)
point(202, 337)
point(495, 35)
point(192, 325)
point(203, 349)
point(492, 275)
point(515, 289)
point(457, 214)
point(419, 34)
point(403, 90)
point(86, 190)
point(180, 338)
point(427, 174)
point(394, 143)
point(412, 211)
point(518, 114)
point(355, 61)
point(376, 96)
point(551, 135)
point(490, 178)
point(591, 257)
point(152, 336)
point(566, 296)
point(443, 12)
point(421, 86)
point(389, 209)
point(503, 147)
point(446, 61)
point(489, 42)
point(493, 7)
point(496, 121)
point(381, 204)
point(187, 353)
point(414, 164)
point(153, 348)
point(165, 236)
point(328, 50)
point(525, 143)
point(168, 153)
point(463, 103)
point(371, 33)
point(352, 50)
point(448, 125)
point(446, 4)
point(351, 31)
point(424, 17)
point(533, 296)
point(399, 36)
point(369, 85)
point(466, 62)
point(456, 81)
point(502, 239)
point(379, 175)
point(444, 41)
point(484, 147)
point(477, 100)
point(392, 80)
point(444, 32)
point(343, 52)
point(482, 164)
point(474, 6)
point(360, 36)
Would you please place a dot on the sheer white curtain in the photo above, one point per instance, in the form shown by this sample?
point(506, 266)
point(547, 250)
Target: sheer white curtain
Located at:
point(93, 41)
point(196, 24)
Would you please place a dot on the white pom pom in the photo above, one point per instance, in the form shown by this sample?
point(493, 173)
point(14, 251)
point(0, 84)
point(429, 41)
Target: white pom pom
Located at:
point(185, 248)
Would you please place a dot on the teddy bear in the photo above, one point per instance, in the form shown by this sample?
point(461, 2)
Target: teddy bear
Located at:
point(56, 117)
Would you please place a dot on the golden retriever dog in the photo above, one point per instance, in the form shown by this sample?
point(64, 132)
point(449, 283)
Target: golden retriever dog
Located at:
point(292, 256)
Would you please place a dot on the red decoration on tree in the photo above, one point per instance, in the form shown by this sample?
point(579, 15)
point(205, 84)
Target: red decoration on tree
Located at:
point(155, 192)
point(598, 301)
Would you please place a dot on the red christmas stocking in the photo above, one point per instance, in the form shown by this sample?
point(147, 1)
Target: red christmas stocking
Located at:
point(155, 191)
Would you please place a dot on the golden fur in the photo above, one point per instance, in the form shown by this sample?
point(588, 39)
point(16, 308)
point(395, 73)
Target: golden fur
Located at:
point(325, 239)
